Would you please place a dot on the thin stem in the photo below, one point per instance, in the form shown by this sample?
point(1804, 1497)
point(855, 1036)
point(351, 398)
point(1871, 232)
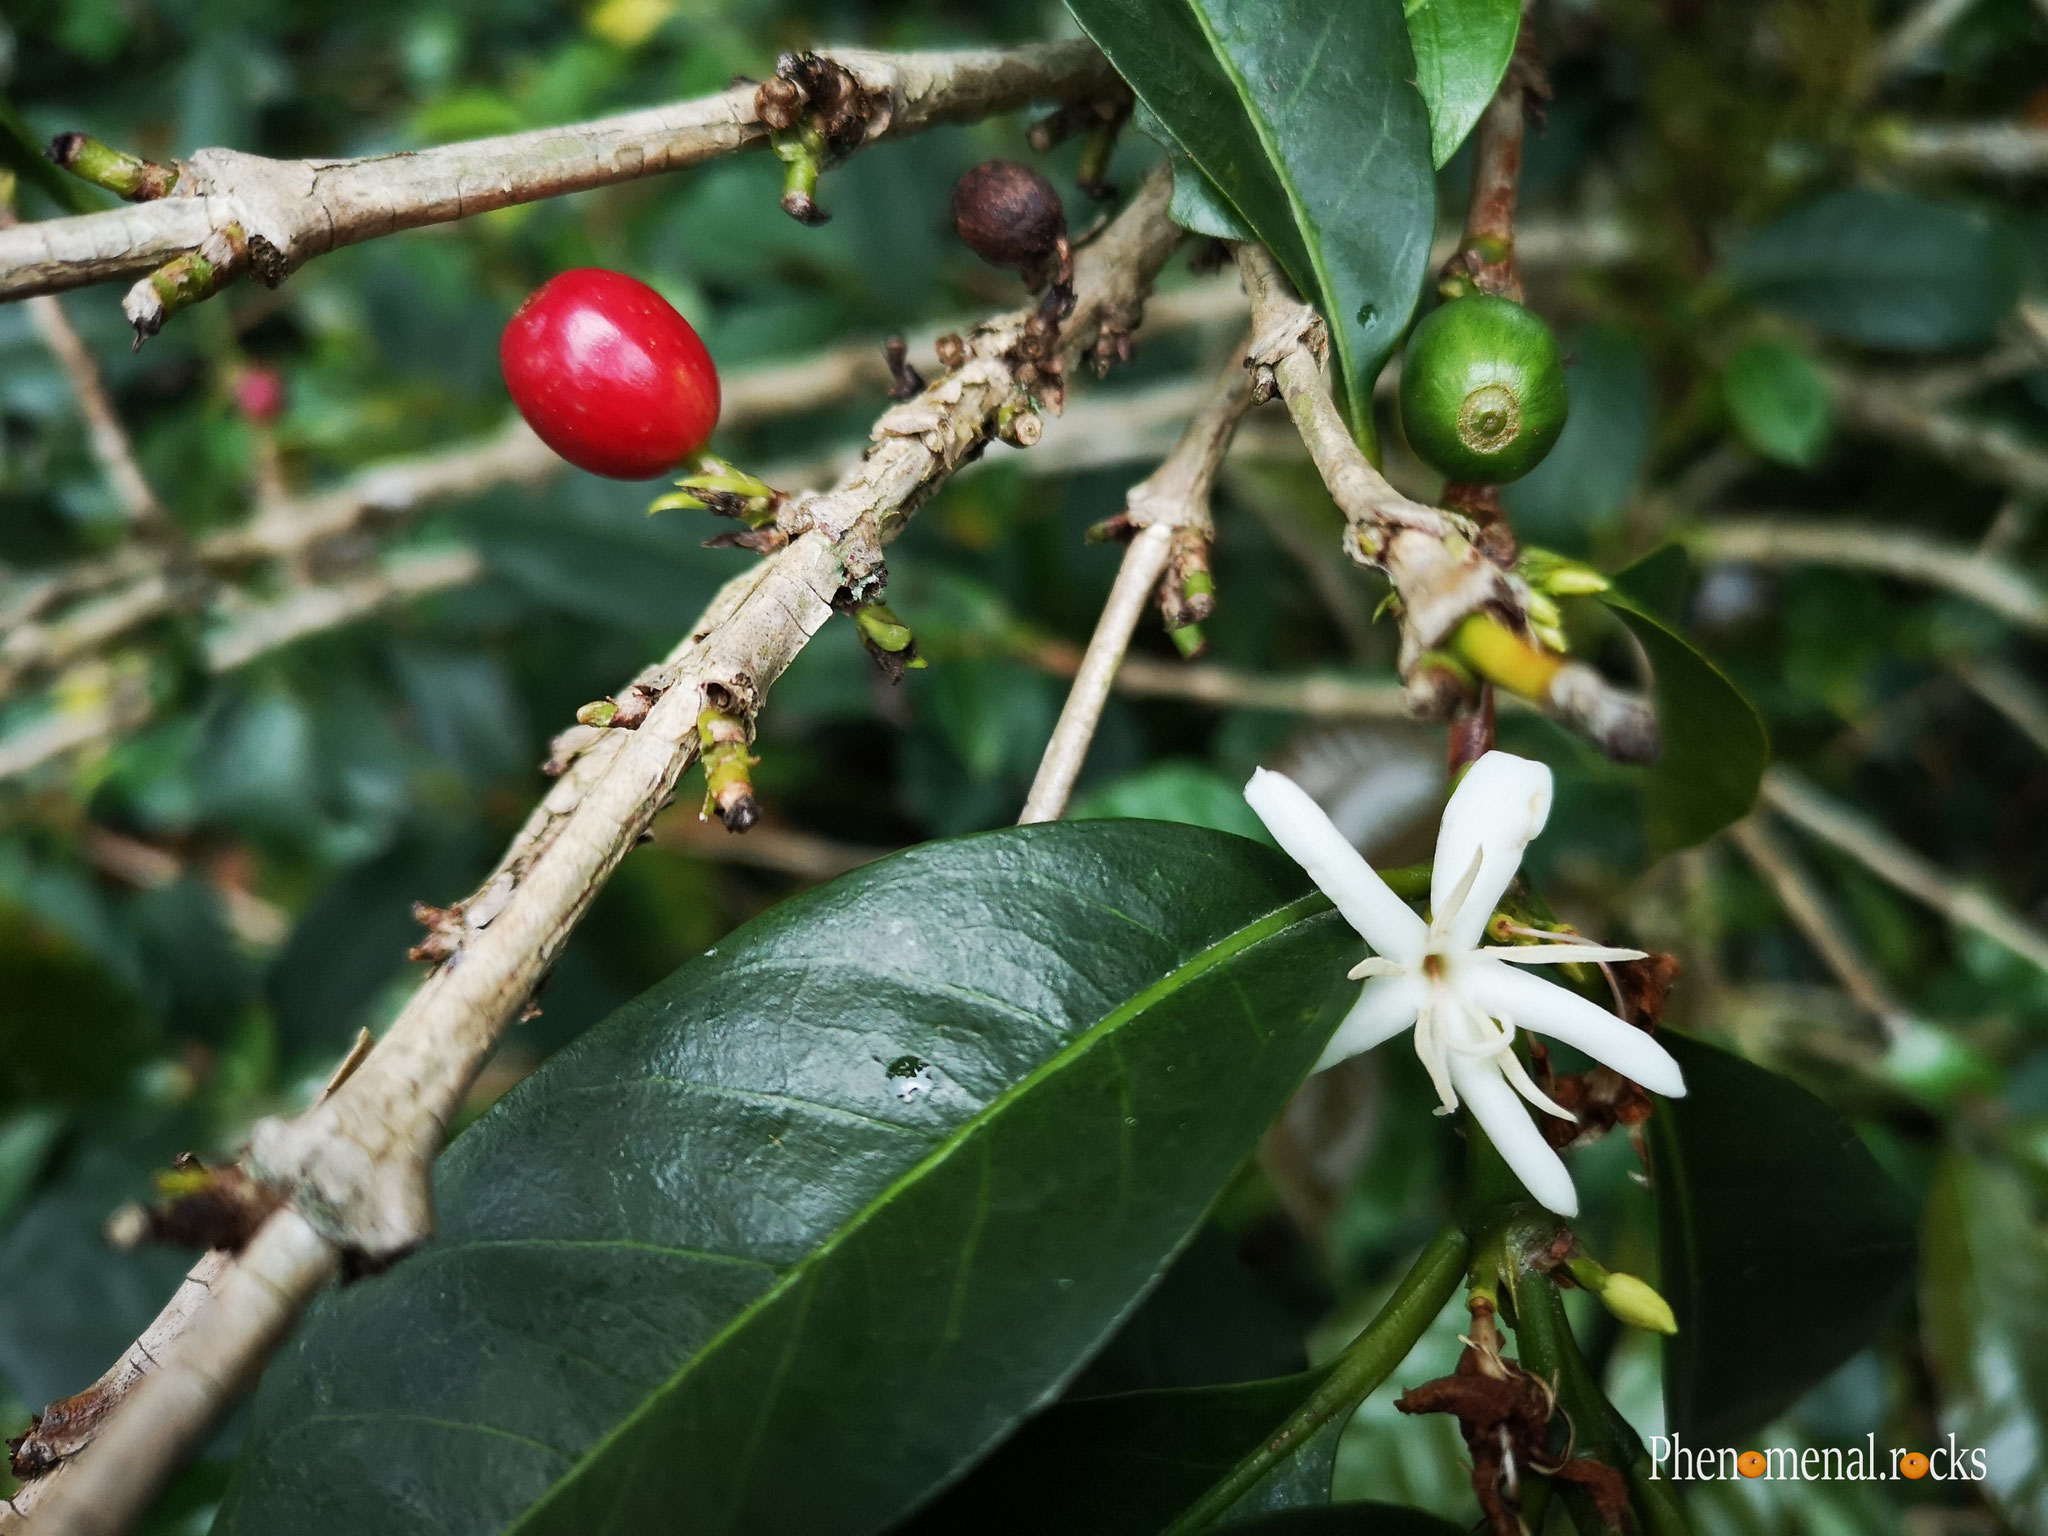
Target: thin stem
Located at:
point(2009, 691)
point(109, 438)
point(1870, 845)
point(1173, 498)
point(1922, 27)
point(1136, 579)
point(1486, 255)
point(1369, 1360)
point(1814, 916)
point(1999, 585)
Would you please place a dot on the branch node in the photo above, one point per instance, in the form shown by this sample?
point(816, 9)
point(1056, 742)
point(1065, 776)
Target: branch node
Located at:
point(728, 768)
point(888, 639)
point(196, 1207)
point(129, 177)
point(185, 280)
point(905, 382)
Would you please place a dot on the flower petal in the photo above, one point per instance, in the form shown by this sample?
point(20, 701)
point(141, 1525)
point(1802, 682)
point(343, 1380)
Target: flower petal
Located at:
point(1519, 1079)
point(1500, 1114)
point(1309, 837)
point(1549, 1009)
point(1559, 954)
point(1386, 1006)
point(1497, 809)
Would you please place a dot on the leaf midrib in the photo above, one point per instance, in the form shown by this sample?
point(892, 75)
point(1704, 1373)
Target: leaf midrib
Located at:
point(1226, 948)
point(1310, 241)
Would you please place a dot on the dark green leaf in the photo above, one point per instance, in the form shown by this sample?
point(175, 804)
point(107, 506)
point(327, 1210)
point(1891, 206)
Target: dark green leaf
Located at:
point(1589, 478)
point(1779, 402)
point(1984, 1311)
point(73, 1303)
point(1199, 206)
point(69, 1028)
point(1886, 269)
point(1171, 791)
point(1121, 1465)
point(26, 1141)
point(799, 1234)
point(1326, 156)
point(1462, 48)
point(1715, 745)
point(1783, 1244)
point(1217, 1317)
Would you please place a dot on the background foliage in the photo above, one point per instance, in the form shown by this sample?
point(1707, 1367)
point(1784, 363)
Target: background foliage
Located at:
point(1736, 246)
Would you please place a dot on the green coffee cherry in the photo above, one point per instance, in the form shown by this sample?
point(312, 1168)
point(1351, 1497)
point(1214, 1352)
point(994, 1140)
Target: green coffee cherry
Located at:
point(1482, 390)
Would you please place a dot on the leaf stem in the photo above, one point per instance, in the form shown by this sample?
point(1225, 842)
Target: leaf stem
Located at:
point(1543, 1336)
point(1365, 1363)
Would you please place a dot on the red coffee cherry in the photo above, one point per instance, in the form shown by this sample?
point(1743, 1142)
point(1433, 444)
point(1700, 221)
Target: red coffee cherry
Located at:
point(259, 395)
point(609, 375)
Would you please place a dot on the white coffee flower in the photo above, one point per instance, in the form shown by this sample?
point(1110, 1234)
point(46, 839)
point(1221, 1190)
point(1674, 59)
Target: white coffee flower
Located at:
point(1465, 998)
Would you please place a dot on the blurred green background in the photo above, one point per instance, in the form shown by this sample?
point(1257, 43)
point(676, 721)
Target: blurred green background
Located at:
point(197, 915)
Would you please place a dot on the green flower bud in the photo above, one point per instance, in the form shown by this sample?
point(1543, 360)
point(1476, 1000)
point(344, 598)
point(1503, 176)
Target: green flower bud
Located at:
point(1633, 1301)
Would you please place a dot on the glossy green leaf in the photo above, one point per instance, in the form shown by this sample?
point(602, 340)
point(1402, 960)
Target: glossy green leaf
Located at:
point(1783, 1244)
point(1779, 402)
point(1462, 48)
point(1177, 791)
point(1125, 1464)
point(1199, 206)
point(796, 1236)
point(1984, 1314)
point(1887, 269)
point(1326, 157)
point(1715, 745)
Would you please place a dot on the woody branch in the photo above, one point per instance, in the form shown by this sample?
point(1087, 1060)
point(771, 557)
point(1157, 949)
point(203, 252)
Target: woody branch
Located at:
point(354, 1169)
point(1432, 557)
point(1167, 519)
point(229, 212)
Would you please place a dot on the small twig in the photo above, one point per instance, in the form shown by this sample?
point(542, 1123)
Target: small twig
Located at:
point(1989, 149)
point(1895, 411)
point(108, 437)
point(1920, 29)
point(64, 1428)
point(293, 210)
point(1999, 585)
point(256, 922)
point(311, 609)
point(1893, 862)
point(2009, 691)
point(224, 1324)
point(1136, 580)
point(1445, 582)
point(2009, 529)
point(103, 426)
point(1486, 256)
point(784, 850)
point(1322, 698)
point(1814, 916)
point(1171, 501)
